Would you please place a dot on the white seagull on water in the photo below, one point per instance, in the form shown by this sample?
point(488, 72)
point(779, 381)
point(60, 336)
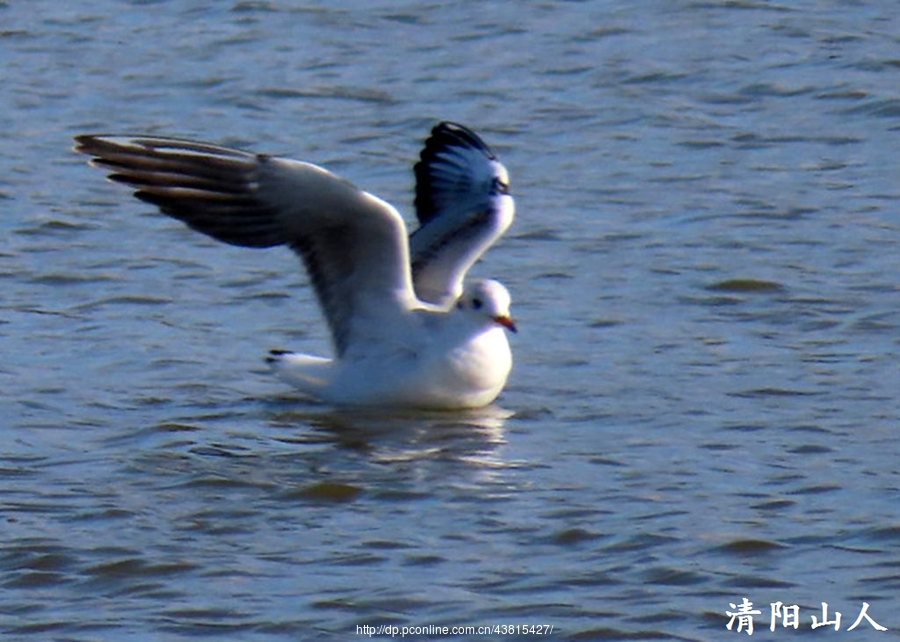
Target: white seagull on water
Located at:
point(406, 333)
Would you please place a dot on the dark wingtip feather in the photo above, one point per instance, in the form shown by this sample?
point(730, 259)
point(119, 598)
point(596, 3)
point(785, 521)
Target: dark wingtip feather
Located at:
point(444, 137)
point(447, 133)
point(275, 355)
point(86, 144)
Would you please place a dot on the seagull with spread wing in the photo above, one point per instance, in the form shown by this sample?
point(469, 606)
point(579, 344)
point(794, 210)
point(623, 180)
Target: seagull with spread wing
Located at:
point(406, 330)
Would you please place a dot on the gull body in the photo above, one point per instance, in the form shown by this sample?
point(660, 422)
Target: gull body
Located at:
point(407, 331)
point(435, 359)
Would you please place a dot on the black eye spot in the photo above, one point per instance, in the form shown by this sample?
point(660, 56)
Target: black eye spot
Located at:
point(501, 187)
point(476, 304)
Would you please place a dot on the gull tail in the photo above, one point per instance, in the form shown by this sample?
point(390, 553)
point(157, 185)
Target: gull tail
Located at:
point(311, 375)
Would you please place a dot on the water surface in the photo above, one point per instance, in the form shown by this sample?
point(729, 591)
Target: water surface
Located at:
point(704, 271)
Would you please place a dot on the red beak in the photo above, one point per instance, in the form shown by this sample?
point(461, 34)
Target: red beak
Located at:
point(506, 322)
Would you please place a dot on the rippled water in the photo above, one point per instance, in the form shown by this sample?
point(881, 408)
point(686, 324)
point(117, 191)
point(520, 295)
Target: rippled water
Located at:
point(705, 275)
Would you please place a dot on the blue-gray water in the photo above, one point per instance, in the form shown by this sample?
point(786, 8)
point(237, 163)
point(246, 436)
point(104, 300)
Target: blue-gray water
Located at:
point(704, 268)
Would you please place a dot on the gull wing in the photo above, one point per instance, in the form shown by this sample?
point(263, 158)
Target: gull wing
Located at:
point(353, 244)
point(463, 206)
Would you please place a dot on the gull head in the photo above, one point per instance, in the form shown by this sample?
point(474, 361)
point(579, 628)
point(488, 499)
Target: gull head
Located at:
point(487, 301)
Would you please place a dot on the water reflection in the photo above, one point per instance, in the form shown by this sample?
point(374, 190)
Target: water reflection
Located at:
point(397, 436)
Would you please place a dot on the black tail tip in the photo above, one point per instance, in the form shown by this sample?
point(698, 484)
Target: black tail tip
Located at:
point(276, 355)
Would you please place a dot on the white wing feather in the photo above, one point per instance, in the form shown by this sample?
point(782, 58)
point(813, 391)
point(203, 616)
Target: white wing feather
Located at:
point(353, 244)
